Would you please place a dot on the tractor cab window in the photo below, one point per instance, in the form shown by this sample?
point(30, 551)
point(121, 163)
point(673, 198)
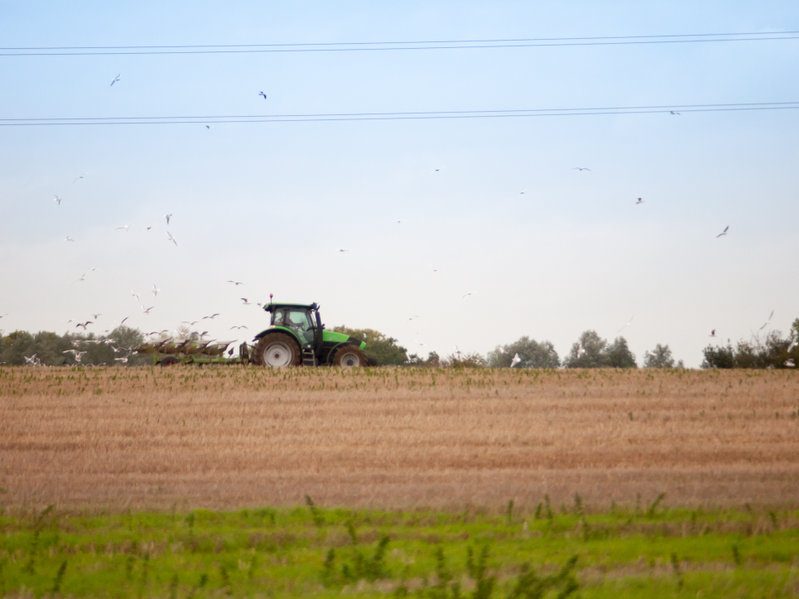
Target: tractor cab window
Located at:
point(299, 321)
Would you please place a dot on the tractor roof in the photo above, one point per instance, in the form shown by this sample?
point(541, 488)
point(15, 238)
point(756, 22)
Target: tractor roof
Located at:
point(276, 305)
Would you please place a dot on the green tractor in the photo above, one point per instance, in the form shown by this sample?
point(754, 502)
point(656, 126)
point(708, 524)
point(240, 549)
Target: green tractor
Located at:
point(297, 336)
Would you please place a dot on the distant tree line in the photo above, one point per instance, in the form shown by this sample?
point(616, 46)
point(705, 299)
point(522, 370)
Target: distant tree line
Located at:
point(50, 349)
point(775, 351)
point(589, 351)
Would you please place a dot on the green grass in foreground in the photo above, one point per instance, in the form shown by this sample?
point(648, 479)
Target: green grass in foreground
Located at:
point(311, 551)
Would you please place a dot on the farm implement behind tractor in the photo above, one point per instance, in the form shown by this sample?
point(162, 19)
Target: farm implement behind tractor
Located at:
point(295, 337)
point(169, 351)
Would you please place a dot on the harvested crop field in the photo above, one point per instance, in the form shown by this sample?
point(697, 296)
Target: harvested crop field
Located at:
point(234, 437)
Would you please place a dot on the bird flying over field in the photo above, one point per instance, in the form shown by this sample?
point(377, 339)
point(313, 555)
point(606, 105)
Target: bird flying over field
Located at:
point(68, 238)
point(768, 320)
point(57, 199)
point(78, 355)
point(114, 80)
point(515, 360)
point(168, 217)
point(262, 94)
point(236, 283)
point(639, 201)
point(724, 232)
point(172, 239)
point(581, 169)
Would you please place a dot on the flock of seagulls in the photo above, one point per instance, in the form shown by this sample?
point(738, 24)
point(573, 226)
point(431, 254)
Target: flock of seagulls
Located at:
point(171, 239)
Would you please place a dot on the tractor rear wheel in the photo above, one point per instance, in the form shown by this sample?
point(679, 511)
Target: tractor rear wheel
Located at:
point(276, 350)
point(349, 356)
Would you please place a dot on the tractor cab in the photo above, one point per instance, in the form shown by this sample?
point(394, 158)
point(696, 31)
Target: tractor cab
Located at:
point(303, 321)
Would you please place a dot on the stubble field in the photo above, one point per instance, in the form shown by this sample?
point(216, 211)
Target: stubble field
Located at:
point(229, 438)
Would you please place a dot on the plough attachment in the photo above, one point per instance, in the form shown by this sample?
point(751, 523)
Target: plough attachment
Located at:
point(170, 351)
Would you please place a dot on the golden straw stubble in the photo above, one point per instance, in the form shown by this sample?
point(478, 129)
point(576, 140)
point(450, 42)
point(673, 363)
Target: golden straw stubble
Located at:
point(233, 437)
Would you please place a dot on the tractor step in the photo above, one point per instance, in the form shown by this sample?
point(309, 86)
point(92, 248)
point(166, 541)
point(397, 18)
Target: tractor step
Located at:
point(308, 357)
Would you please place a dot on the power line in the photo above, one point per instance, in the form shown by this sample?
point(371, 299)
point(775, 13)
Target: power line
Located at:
point(400, 45)
point(670, 109)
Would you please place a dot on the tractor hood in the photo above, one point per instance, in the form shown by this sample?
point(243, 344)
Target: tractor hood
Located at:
point(335, 337)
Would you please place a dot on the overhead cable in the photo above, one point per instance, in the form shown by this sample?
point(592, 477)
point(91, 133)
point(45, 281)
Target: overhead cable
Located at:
point(400, 45)
point(669, 109)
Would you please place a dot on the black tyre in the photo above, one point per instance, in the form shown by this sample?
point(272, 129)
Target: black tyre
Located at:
point(349, 356)
point(276, 350)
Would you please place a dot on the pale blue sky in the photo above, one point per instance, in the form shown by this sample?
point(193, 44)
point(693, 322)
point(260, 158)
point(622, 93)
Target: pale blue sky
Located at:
point(543, 249)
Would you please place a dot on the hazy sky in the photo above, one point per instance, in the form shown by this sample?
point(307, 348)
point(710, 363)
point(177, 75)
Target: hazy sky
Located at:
point(461, 234)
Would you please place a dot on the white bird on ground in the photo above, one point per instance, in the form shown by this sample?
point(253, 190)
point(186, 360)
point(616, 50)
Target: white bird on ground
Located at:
point(515, 361)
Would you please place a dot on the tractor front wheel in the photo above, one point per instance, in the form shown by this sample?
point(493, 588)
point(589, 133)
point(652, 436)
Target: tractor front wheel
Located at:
point(276, 350)
point(349, 356)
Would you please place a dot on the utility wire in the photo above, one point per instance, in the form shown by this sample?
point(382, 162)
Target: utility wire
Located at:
point(684, 38)
point(669, 109)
